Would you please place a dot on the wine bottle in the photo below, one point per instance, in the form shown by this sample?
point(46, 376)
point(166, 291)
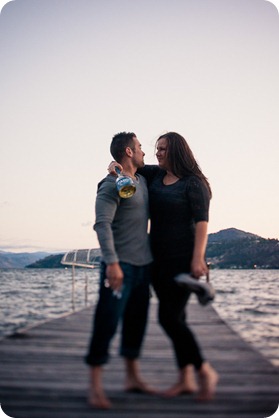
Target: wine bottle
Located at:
point(125, 185)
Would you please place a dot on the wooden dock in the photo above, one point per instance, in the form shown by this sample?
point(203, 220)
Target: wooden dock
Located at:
point(42, 373)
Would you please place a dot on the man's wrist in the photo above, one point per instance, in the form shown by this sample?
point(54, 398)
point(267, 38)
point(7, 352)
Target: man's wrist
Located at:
point(114, 264)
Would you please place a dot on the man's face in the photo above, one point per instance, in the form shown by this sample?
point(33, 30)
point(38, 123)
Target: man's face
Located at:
point(138, 154)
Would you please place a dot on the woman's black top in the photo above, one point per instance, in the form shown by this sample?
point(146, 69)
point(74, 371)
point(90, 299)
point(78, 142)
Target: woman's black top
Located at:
point(174, 211)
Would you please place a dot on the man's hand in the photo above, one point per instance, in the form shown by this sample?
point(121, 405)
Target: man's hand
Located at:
point(114, 275)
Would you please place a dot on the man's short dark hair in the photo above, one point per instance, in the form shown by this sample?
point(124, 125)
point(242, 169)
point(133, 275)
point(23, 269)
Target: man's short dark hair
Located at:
point(119, 144)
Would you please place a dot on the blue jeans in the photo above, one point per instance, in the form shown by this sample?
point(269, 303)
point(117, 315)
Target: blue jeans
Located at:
point(132, 308)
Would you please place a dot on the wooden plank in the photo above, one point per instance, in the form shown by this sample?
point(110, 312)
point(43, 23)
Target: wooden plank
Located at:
point(42, 373)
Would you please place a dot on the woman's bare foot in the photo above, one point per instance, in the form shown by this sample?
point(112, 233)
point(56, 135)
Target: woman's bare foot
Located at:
point(208, 379)
point(186, 383)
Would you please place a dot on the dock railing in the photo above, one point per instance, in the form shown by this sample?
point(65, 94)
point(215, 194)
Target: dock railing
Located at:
point(86, 258)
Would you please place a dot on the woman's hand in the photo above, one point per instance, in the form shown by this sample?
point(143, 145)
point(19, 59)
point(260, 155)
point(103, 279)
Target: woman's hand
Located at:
point(198, 268)
point(111, 168)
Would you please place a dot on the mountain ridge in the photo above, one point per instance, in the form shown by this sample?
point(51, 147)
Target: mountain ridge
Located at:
point(228, 248)
point(230, 234)
point(20, 260)
point(232, 248)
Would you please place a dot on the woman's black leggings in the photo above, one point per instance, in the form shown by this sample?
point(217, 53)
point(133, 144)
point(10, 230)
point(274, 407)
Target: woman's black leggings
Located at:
point(172, 311)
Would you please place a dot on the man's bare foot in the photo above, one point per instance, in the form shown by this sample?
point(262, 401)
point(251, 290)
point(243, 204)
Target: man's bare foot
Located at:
point(138, 386)
point(178, 389)
point(97, 397)
point(186, 383)
point(133, 381)
point(99, 400)
point(208, 379)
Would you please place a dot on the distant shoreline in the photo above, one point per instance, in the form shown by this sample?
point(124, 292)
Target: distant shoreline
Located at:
point(227, 249)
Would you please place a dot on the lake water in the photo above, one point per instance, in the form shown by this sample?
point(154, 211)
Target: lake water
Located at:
point(248, 300)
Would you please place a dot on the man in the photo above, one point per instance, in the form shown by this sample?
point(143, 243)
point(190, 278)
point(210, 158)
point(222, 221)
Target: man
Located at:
point(121, 226)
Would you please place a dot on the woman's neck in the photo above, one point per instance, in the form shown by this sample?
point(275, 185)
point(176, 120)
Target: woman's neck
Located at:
point(170, 178)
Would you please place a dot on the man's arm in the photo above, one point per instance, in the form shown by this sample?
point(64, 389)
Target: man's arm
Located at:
point(106, 205)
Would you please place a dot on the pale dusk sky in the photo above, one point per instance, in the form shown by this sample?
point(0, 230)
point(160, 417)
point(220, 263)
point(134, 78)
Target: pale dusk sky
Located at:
point(75, 72)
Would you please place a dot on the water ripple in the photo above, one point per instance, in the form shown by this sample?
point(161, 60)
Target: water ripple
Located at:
point(247, 300)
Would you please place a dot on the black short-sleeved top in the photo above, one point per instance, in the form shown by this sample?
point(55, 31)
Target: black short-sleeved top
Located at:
point(174, 211)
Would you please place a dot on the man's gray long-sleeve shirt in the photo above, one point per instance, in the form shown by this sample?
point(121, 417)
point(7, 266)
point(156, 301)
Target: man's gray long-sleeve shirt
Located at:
point(121, 224)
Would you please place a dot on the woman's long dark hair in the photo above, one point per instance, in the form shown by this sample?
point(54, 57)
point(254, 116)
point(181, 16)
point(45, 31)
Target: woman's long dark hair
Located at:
point(181, 158)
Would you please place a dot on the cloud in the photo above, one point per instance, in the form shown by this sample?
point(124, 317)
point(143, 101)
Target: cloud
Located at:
point(26, 246)
point(86, 224)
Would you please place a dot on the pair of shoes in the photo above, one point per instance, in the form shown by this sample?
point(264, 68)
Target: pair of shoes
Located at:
point(204, 291)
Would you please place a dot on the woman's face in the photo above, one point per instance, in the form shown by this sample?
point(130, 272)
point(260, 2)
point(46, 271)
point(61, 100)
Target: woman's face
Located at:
point(161, 154)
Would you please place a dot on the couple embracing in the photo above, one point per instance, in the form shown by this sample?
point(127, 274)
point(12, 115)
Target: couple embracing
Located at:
point(175, 195)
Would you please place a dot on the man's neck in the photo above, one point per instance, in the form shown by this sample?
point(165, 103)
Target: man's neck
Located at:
point(129, 170)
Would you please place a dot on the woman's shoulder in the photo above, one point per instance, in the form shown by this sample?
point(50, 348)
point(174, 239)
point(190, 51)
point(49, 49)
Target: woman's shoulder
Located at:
point(195, 184)
point(191, 178)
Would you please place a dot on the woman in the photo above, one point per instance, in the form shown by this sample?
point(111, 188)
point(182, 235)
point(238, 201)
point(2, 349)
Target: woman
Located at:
point(179, 196)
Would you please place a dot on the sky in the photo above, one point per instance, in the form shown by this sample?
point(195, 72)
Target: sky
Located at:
point(75, 72)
